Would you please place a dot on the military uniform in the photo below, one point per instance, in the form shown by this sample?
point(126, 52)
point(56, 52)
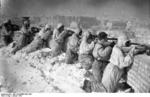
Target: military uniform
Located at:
point(22, 40)
point(101, 55)
point(72, 48)
point(73, 43)
point(25, 37)
point(57, 41)
point(40, 40)
point(118, 62)
point(115, 69)
point(6, 33)
point(85, 52)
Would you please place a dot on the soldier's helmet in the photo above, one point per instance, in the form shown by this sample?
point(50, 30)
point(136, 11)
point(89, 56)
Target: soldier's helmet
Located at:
point(102, 35)
point(86, 33)
point(122, 39)
point(74, 26)
point(59, 25)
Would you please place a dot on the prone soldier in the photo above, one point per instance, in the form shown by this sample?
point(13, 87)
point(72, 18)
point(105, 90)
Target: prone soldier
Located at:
point(24, 38)
point(40, 39)
point(6, 33)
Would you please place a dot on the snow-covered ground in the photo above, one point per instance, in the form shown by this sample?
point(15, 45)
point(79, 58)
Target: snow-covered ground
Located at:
point(38, 72)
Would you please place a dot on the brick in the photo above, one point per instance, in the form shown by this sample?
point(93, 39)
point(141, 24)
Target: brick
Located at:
point(138, 81)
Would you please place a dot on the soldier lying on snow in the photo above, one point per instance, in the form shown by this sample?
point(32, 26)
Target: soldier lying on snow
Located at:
point(7, 32)
point(25, 36)
point(40, 40)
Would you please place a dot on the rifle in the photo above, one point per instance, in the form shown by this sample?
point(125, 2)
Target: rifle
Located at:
point(114, 39)
point(143, 48)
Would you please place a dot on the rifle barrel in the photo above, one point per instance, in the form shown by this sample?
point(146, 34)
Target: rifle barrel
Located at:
point(112, 39)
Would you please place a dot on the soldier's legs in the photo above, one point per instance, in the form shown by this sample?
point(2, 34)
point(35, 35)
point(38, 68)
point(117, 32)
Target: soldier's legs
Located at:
point(97, 70)
point(86, 61)
point(68, 59)
point(56, 51)
point(70, 56)
point(2, 41)
point(112, 75)
point(35, 45)
point(18, 46)
point(56, 48)
point(97, 87)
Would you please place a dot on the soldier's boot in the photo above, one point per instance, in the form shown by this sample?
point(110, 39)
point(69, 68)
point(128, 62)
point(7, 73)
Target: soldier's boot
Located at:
point(97, 87)
point(87, 86)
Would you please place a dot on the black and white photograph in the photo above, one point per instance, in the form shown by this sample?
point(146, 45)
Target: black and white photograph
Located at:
point(74, 46)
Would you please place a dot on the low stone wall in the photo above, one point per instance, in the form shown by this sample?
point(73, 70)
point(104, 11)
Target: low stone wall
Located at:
point(139, 74)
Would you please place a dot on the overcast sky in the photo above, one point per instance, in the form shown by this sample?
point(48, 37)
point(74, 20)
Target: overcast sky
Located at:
point(99, 8)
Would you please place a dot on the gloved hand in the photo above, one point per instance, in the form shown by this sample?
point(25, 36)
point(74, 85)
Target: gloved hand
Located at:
point(112, 44)
point(139, 50)
point(133, 51)
point(95, 41)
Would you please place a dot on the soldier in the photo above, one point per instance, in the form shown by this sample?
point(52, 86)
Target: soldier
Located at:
point(56, 45)
point(85, 51)
point(74, 27)
point(58, 30)
point(73, 44)
point(101, 53)
point(24, 37)
point(60, 43)
point(6, 33)
point(40, 39)
point(118, 61)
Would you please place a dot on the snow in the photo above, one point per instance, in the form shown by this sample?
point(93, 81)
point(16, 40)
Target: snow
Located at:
point(38, 72)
